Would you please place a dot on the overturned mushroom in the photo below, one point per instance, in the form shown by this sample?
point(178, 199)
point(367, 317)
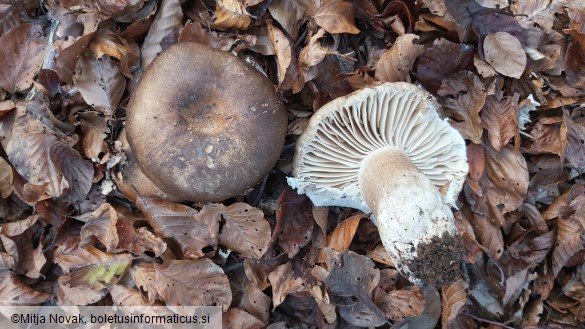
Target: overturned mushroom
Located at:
point(385, 150)
point(204, 125)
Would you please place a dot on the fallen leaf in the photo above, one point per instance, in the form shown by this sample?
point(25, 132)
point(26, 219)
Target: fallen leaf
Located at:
point(192, 231)
point(21, 56)
point(9, 254)
point(95, 129)
point(463, 96)
point(282, 48)
point(236, 318)
point(290, 14)
point(575, 146)
point(500, 119)
point(124, 296)
point(256, 302)
point(124, 50)
point(230, 14)
point(99, 81)
point(294, 221)
point(489, 235)
point(284, 283)
point(144, 276)
point(396, 63)
point(192, 283)
point(13, 292)
point(5, 179)
point(398, 304)
point(336, 16)
point(453, 298)
point(101, 224)
point(505, 54)
point(165, 26)
point(312, 54)
point(245, 230)
point(340, 239)
point(569, 241)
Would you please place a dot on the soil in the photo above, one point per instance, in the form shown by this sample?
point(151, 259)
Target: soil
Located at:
point(438, 261)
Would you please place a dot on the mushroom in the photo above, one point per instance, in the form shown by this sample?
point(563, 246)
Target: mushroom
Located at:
point(204, 125)
point(385, 150)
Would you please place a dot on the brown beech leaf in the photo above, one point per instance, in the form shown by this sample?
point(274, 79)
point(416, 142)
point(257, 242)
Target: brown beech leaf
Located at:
point(245, 230)
point(453, 298)
point(380, 255)
point(396, 63)
point(463, 97)
point(230, 14)
point(193, 231)
point(570, 240)
point(508, 171)
point(192, 283)
point(336, 16)
point(312, 54)
point(18, 227)
point(41, 158)
point(125, 51)
point(124, 296)
point(94, 128)
point(5, 179)
point(9, 254)
point(14, 292)
point(137, 241)
point(101, 224)
point(505, 54)
point(143, 274)
point(256, 302)
point(341, 237)
point(21, 56)
point(284, 283)
point(290, 14)
point(489, 235)
point(398, 304)
point(500, 118)
point(575, 145)
point(164, 28)
point(440, 60)
point(282, 48)
point(236, 318)
point(67, 59)
point(99, 81)
point(294, 221)
point(546, 139)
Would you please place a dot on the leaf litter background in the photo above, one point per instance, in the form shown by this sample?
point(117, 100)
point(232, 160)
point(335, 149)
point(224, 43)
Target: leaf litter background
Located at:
point(510, 76)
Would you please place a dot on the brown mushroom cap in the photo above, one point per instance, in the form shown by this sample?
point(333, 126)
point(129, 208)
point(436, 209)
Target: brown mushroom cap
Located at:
point(204, 125)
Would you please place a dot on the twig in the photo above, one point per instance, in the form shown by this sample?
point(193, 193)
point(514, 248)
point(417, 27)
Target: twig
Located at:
point(487, 321)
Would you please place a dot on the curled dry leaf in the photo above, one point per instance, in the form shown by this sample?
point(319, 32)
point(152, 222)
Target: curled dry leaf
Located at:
point(99, 81)
point(290, 14)
point(336, 16)
point(570, 240)
point(284, 283)
point(282, 48)
point(312, 54)
point(341, 237)
point(453, 298)
point(192, 283)
point(575, 142)
point(396, 63)
point(500, 118)
point(398, 304)
point(143, 274)
point(245, 230)
point(463, 97)
point(21, 57)
point(164, 27)
point(124, 296)
point(193, 231)
point(13, 292)
point(505, 54)
point(94, 128)
point(101, 224)
point(236, 318)
point(256, 302)
point(137, 241)
point(489, 235)
point(231, 14)
point(9, 254)
point(5, 179)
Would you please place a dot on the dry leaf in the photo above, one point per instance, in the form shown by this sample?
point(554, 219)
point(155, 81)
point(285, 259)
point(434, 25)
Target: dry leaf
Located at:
point(165, 26)
point(284, 283)
point(143, 275)
point(101, 224)
point(230, 14)
point(463, 97)
point(396, 63)
point(236, 318)
point(500, 118)
point(312, 54)
point(282, 48)
point(575, 146)
point(489, 235)
point(123, 296)
point(94, 128)
point(290, 13)
point(192, 283)
point(256, 302)
point(14, 292)
point(336, 16)
point(99, 81)
point(398, 304)
point(294, 221)
point(5, 179)
point(505, 54)
point(569, 241)
point(21, 56)
point(453, 299)
point(245, 230)
point(340, 239)
point(125, 51)
point(193, 231)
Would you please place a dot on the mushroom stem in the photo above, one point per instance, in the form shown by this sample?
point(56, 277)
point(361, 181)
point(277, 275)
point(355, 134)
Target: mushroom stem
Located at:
point(407, 207)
